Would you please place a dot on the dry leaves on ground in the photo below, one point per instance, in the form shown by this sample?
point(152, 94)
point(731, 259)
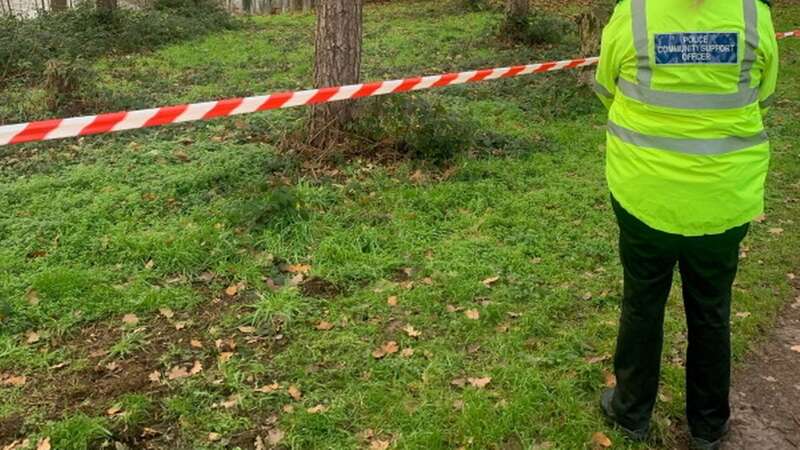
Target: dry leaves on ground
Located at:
point(601, 440)
point(43, 444)
point(130, 319)
point(411, 331)
point(392, 300)
point(472, 314)
point(387, 348)
point(294, 392)
point(166, 312)
point(268, 388)
point(317, 409)
point(490, 281)
point(13, 380)
point(479, 383)
point(324, 326)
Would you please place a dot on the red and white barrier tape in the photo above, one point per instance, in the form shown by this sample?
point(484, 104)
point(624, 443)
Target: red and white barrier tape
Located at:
point(128, 120)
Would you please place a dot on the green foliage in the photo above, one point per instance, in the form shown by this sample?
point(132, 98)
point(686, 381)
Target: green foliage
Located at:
point(537, 28)
point(420, 126)
point(78, 432)
point(86, 32)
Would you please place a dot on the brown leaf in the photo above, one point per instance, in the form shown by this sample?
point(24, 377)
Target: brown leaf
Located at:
point(247, 329)
point(149, 264)
point(502, 328)
point(294, 392)
point(472, 314)
point(610, 379)
point(288, 409)
point(601, 440)
point(317, 409)
point(15, 380)
point(196, 368)
point(269, 388)
point(196, 343)
point(378, 353)
point(154, 376)
point(760, 219)
point(298, 268)
point(31, 337)
point(33, 297)
point(776, 231)
point(232, 290)
point(180, 325)
point(460, 382)
point(324, 326)
point(378, 444)
point(411, 331)
point(114, 410)
point(479, 383)
point(795, 348)
point(225, 357)
point(390, 347)
point(392, 301)
point(232, 401)
point(213, 437)
point(407, 352)
point(597, 359)
point(177, 372)
point(427, 280)
point(743, 314)
point(130, 319)
point(452, 309)
point(166, 312)
point(490, 281)
point(43, 444)
point(275, 436)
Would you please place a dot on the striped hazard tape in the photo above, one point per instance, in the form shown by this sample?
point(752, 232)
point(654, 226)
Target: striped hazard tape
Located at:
point(129, 120)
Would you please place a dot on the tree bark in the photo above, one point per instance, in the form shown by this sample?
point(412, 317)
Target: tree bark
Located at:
point(308, 5)
point(517, 8)
point(337, 62)
point(106, 4)
point(58, 5)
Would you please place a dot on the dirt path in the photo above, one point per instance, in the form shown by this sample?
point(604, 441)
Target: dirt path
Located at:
point(766, 391)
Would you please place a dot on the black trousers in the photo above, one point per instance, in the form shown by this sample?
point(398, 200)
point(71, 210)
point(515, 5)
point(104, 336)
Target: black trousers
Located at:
point(708, 267)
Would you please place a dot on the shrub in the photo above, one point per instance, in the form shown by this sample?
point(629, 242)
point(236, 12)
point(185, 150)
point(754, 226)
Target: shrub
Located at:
point(537, 28)
point(26, 45)
point(421, 127)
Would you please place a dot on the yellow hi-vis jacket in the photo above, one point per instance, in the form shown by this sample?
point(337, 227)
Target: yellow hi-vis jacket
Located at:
point(687, 84)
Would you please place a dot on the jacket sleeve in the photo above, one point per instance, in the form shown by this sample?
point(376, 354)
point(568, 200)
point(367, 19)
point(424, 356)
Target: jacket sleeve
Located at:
point(769, 76)
point(605, 83)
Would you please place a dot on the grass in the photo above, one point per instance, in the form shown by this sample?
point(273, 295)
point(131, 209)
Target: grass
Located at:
point(175, 218)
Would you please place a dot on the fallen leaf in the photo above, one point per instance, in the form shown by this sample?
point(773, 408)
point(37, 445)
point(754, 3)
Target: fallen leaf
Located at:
point(196, 343)
point(601, 439)
point(460, 382)
point(114, 410)
point(452, 309)
point(390, 347)
point(31, 337)
point(324, 326)
point(407, 352)
point(154, 376)
point(33, 297)
point(458, 404)
point(294, 392)
point(15, 380)
point(130, 319)
point(196, 368)
point(597, 359)
point(298, 268)
point(225, 356)
point(149, 264)
point(232, 401)
point(213, 437)
point(43, 444)
point(411, 331)
point(166, 312)
point(743, 314)
point(259, 444)
point(611, 379)
point(490, 281)
point(247, 330)
point(180, 325)
point(288, 409)
point(771, 379)
point(378, 444)
point(502, 328)
point(472, 314)
point(776, 231)
point(112, 366)
point(275, 436)
point(587, 296)
point(232, 290)
point(392, 301)
point(177, 372)
point(761, 218)
point(317, 409)
point(795, 348)
point(268, 388)
point(427, 280)
point(479, 383)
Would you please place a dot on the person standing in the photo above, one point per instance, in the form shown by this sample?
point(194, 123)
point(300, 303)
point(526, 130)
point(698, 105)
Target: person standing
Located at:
point(687, 84)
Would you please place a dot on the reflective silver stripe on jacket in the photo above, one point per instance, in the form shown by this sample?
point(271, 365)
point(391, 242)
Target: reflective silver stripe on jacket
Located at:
point(643, 92)
point(602, 91)
point(690, 146)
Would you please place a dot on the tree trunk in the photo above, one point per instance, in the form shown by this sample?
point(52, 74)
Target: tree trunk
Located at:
point(58, 5)
point(591, 25)
point(296, 5)
point(308, 5)
point(517, 8)
point(337, 62)
point(106, 4)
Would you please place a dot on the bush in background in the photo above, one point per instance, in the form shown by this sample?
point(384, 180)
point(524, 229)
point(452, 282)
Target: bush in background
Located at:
point(26, 45)
point(536, 28)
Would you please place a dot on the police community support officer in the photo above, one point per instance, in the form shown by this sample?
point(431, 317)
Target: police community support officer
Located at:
point(687, 83)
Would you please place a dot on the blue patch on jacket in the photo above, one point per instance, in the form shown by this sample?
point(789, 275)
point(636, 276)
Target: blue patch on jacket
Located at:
point(697, 48)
